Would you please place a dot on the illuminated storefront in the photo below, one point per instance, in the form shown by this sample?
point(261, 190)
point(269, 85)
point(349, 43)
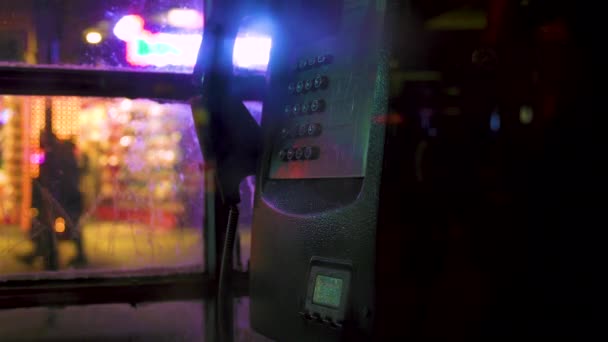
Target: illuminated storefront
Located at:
point(133, 155)
point(144, 151)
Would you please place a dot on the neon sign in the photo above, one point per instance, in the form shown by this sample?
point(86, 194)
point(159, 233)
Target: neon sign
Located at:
point(164, 49)
point(145, 48)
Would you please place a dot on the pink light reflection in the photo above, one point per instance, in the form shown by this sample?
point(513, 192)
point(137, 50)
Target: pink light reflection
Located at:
point(37, 158)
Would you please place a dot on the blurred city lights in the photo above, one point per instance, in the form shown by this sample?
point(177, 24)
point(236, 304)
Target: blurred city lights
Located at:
point(157, 49)
point(113, 160)
point(163, 49)
point(126, 140)
point(526, 114)
point(5, 115)
point(129, 27)
point(145, 48)
point(186, 18)
point(125, 105)
point(37, 158)
point(93, 37)
point(60, 225)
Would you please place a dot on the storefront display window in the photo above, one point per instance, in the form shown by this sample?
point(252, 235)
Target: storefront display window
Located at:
point(139, 175)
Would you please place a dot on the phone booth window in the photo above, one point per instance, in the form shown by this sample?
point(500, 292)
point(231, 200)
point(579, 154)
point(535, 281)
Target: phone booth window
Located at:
point(141, 34)
point(118, 182)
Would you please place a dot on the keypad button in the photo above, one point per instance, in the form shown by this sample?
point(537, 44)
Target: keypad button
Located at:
point(320, 82)
point(308, 85)
point(313, 130)
point(312, 61)
point(299, 154)
point(317, 106)
point(302, 63)
point(284, 133)
point(311, 153)
point(287, 110)
point(291, 88)
point(323, 59)
point(290, 154)
point(305, 108)
point(295, 109)
point(302, 130)
point(300, 87)
point(282, 155)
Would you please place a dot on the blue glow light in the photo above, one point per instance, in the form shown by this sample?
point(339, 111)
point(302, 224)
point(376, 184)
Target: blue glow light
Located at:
point(252, 51)
point(495, 122)
point(5, 115)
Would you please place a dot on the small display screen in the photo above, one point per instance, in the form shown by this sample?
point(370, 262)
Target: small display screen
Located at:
point(328, 291)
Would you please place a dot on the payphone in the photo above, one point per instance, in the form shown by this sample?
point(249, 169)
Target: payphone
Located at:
point(396, 202)
point(313, 261)
point(392, 203)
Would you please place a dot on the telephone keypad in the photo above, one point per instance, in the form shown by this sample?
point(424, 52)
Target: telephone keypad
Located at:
point(299, 138)
point(299, 153)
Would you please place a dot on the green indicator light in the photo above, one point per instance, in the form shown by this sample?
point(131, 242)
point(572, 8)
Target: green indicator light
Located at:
point(328, 291)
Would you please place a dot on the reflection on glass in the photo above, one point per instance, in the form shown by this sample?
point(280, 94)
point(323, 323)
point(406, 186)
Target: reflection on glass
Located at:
point(158, 49)
point(149, 34)
point(160, 35)
point(98, 183)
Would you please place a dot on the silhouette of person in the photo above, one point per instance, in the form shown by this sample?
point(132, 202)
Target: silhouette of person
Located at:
point(56, 195)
